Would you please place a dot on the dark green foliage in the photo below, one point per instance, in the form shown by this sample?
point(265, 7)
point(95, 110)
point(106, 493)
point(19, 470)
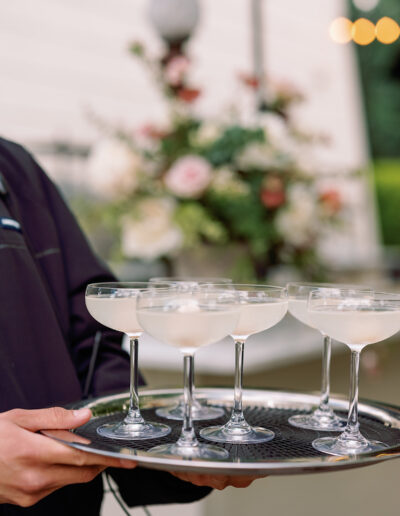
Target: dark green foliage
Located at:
point(380, 76)
point(387, 181)
point(234, 139)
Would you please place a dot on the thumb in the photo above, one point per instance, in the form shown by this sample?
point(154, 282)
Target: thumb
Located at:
point(54, 418)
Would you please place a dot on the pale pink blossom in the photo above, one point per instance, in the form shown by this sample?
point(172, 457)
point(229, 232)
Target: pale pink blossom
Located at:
point(176, 70)
point(188, 177)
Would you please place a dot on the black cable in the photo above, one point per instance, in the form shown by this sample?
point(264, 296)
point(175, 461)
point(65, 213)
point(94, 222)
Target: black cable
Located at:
point(120, 501)
point(112, 490)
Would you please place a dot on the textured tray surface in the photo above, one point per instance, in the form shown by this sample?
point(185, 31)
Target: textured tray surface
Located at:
point(289, 442)
point(289, 452)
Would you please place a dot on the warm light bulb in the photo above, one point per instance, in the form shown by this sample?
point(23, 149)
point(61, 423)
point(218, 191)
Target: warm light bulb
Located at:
point(340, 30)
point(363, 31)
point(387, 30)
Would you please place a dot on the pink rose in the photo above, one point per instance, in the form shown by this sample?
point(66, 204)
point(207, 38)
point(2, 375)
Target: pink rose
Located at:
point(175, 70)
point(188, 177)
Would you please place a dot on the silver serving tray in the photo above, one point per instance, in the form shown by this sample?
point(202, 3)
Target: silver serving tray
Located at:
point(290, 452)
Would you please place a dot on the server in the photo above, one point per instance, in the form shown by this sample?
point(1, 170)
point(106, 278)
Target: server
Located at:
point(46, 333)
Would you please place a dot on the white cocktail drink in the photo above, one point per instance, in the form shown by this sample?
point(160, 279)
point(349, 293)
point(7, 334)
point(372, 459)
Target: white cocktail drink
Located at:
point(357, 319)
point(323, 417)
point(113, 304)
point(357, 328)
point(117, 313)
point(200, 411)
point(261, 308)
point(256, 317)
point(189, 320)
point(298, 308)
point(187, 327)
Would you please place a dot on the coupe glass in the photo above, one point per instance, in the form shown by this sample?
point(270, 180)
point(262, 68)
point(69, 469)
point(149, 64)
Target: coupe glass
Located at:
point(114, 306)
point(322, 418)
point(199, 411)
point(188, 320)
point(356, 319)
point(261, 307)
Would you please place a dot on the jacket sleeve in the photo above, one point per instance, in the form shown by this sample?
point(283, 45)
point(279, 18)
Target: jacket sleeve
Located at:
point(81, 268)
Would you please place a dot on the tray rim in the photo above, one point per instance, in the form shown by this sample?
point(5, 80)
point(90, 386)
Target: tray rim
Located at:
point(387, 413)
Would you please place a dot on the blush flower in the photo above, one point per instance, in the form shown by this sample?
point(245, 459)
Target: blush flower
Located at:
point(188, 177)
point(273, 193)
point(176, 69)
point(331, 202)
point(188, 95)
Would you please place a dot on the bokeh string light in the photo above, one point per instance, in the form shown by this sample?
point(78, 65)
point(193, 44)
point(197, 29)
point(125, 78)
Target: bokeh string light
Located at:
point(363, 31)
point(340, 30)
point(387, 30)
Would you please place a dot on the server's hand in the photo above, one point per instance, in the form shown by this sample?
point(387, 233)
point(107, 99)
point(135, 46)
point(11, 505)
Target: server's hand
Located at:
point(216, 481)
point(32, 465)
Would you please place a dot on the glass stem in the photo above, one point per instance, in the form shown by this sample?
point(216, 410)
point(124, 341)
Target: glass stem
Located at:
point(237, 416)
point(191, 379)
point(326, 366)
point(351, 435)
point(181, 402)
point(188, 436)
point(134, 415)
point(352, 421)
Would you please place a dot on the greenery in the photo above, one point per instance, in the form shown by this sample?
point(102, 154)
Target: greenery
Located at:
point(387, 182)
point(194, 182)
point(380, 76)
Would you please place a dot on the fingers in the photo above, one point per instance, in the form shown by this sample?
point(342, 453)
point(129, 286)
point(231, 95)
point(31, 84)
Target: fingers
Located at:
point(66, 435)
point(39, 449)
point(241, 481)
point(46, 450)
point(57, 453)
point(39, 483)
point(216, 481)
point(47, 419)
point(65, 475)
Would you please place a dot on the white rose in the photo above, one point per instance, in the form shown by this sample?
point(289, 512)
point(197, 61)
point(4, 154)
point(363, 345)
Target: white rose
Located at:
point(206, 134)
point(152, 233)
point(113, 168)
point(225, 181)
point(298, 222)
point(275, 128)
point(259, 156)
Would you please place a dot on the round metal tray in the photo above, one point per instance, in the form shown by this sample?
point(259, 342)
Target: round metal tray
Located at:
point(290, 452)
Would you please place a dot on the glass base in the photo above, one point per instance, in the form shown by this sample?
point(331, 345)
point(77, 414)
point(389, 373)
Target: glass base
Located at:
point(238, 435)
point(318, 420)
point(336, 446)
point(200, 451)
point(136, 431)
point(199, 412)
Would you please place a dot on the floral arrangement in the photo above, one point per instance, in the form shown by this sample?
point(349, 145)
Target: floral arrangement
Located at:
point(195, 183)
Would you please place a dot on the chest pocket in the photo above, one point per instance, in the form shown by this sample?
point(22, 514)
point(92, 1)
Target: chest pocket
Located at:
point(10, 231)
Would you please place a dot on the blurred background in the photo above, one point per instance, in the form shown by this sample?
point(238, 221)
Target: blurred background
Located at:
point(256, 139)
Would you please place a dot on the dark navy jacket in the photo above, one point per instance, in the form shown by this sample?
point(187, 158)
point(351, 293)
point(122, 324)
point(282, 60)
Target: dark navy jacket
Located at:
point(46, 333)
